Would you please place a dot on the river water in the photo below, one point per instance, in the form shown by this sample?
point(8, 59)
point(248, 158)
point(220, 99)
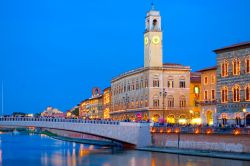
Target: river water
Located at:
point(30, 149)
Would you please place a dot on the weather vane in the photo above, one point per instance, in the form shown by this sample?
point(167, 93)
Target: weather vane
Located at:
point(152, 5)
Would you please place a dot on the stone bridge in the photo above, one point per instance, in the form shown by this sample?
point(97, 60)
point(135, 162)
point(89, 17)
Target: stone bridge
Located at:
point(137, 134)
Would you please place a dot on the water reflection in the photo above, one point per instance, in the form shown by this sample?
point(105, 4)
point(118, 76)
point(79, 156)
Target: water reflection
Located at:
point(42, 150)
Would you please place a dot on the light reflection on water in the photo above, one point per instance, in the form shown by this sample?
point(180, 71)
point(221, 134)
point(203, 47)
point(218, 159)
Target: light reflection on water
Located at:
point(42, 150)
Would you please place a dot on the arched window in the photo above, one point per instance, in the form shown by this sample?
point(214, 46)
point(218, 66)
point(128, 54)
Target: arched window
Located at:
point(236, 93)
point(156, 83)
point(236, 67)
point(170, 101)
point(247, 92)
point(170, 82)
point(156, 102)
point(247, 65)
point(224, 94)
point(182, 101)
point(146, 83)
point(182, 83)
point(224, 68)
point(155, 24)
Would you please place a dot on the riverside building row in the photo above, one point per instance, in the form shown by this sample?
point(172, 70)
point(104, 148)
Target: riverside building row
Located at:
point(171, 93)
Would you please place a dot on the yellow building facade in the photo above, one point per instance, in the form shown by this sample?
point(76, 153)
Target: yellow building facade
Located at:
point(106, 103)
point(195, 97)
point(208, 96)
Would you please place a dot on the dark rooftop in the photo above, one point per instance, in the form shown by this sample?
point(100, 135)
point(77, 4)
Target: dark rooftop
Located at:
point(207, 69)
point(234, 46)
point(195, 77)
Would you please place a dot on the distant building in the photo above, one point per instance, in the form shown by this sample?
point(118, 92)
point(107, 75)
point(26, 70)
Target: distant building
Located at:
point(155, 91)
point(52, 112)
point(208, 96)
point(92, 107)
point(73, 112)
point(233, 84)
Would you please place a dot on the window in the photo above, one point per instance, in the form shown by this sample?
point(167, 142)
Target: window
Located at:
point(156, 103)
point(224, 68)
point(156, 83)
point(236, 67)
point(224, 94)
point(137, 85)
point(128, 87)
point(205, 80)
point(236, 93)
point(170, 101)
point(213, 94)
point(196, 90)
point(213, 79)
point(170, 83)
point(141, 84)
point(247, 93)
point(182, 101)
point(205, 95)
point(247, 61)
point(133, 86)
point(182, 84)
point(146, 83)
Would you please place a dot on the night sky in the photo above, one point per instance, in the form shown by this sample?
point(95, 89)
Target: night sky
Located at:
point(54, 51)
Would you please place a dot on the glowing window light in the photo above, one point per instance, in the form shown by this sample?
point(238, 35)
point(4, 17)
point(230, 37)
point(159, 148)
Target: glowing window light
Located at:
point(182, 121)
point(196, 121)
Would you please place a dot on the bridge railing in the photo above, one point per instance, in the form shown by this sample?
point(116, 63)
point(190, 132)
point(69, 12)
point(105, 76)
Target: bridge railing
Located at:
point(59, 120)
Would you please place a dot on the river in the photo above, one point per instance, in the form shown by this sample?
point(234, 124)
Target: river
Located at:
point(41, 150)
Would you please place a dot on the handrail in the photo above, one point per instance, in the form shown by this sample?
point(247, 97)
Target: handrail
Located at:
point(59, 120)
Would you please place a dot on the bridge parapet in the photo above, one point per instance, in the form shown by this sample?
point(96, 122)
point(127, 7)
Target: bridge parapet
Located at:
point(137, 134)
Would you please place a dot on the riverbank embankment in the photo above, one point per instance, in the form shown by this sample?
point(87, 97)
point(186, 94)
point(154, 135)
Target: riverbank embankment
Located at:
point(213, 154)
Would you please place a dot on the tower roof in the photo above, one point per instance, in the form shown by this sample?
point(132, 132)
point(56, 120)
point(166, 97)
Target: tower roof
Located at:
point(152, 11)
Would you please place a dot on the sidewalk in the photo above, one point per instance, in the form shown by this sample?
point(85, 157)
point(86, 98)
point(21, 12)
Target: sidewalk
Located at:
point(225, 155)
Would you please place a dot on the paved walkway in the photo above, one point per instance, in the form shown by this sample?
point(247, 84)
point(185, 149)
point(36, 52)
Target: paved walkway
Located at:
point(226, 155)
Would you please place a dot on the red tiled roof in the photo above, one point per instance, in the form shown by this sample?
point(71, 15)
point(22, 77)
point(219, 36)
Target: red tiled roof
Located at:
point(234, 46)
point(207, 69)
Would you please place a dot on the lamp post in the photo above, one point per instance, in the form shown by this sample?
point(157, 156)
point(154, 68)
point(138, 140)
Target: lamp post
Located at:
point(126, 101)
point(244, 113)
point(163, 93)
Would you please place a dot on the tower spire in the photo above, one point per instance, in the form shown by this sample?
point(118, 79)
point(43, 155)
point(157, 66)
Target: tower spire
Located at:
point(152, 6)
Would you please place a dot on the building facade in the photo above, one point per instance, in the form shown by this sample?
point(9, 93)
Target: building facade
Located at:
point(92, 108)
point(208, 96)
point(195, 97)
point(156, 91)
point(106, 105)
point(233, 84)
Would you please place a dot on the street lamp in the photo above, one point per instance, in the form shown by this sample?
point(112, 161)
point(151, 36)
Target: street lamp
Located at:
point(126, 101)
point(163, 94)
point(244, 113)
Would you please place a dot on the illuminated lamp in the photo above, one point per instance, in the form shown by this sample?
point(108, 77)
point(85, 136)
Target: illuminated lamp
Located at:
point(236, 132)
point(177, 130)
point(169, 130)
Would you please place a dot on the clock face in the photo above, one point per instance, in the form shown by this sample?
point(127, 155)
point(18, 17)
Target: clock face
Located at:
point(146, 40)
point(156, 40)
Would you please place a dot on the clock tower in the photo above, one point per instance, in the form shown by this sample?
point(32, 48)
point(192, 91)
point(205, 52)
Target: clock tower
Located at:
point(153, 39)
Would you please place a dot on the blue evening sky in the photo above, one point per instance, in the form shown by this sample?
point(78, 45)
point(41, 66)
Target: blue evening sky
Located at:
point(54, 51)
